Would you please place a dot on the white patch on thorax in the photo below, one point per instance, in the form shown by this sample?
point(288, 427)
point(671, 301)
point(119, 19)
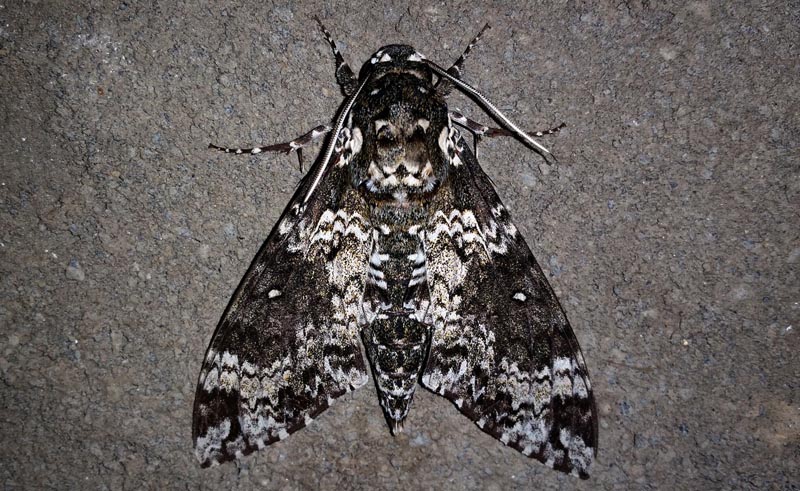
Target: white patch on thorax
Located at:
point(356, 140)
point(443, 139)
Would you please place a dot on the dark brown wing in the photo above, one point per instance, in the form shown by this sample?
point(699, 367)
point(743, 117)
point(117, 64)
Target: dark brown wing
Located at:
point(288, 343)
point(502, 349)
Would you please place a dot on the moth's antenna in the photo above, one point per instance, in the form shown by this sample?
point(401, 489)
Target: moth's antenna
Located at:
point(455, 70)
point(472, 91)
point(344, 74)
point(332, 142)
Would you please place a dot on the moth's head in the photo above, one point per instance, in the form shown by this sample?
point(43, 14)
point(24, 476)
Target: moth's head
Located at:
point(395, 58)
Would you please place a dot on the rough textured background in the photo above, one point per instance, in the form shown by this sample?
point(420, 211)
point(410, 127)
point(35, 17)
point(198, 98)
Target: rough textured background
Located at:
point(670, 226)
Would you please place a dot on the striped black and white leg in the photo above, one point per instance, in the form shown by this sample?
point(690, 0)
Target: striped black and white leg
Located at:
point(295, 145)
point(344, 74)
point(479, 130)
point(444, 86)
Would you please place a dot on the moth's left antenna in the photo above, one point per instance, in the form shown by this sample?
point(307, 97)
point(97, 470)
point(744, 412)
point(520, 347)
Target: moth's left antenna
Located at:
point(344, 74)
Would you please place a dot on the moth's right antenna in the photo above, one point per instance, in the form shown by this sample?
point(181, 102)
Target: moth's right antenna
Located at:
point(443, 85)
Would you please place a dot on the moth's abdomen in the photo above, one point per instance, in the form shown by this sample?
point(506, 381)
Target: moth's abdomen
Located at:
point(396, 346)
point(394, 307)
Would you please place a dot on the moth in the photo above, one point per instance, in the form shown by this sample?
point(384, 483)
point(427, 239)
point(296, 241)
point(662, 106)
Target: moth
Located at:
point(396, 251)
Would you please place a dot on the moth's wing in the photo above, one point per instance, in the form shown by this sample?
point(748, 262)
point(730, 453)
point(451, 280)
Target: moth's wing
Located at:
point(288, 343)
point(502, 349)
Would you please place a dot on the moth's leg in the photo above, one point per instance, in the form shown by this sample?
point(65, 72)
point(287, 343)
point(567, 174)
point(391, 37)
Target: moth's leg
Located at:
point(344, 74)
point(479, 130)
point(444, 86)
point(295, 145)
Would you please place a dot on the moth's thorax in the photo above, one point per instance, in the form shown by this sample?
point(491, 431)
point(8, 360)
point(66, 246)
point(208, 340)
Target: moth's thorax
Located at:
point(400, 117)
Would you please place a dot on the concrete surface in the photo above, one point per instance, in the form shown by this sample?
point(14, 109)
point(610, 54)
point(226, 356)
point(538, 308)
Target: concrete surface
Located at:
point(670, 227)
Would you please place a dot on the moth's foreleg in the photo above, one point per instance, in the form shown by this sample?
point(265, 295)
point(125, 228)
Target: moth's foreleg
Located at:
point(295, 145)
point(344, 74)
point(444, 86)
point(479, 130)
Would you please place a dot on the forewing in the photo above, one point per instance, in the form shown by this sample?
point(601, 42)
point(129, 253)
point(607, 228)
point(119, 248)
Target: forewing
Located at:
point(502, 349)
point(288, 343)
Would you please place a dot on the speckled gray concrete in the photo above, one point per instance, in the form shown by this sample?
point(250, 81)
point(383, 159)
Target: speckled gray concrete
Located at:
point(669, 225)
